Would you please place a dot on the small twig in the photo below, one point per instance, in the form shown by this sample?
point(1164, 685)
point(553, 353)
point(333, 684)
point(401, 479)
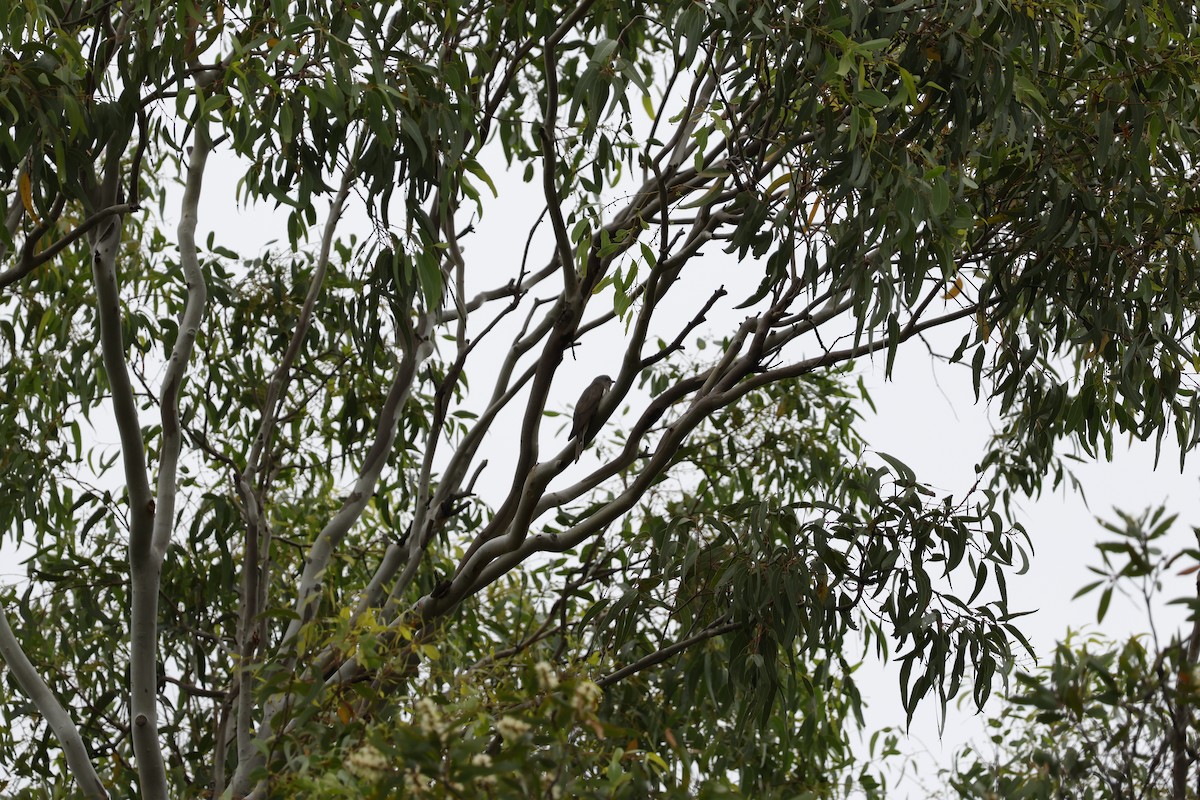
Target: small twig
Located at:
point(691, 326)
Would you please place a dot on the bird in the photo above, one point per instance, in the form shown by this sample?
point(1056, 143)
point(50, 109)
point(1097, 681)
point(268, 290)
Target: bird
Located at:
point(583, 423)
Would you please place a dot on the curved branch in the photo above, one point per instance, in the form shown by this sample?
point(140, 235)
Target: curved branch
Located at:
point(56, 715)
point(364, 487)
point(493, 560)
point(416, 349)
point(146, 554)
point(911, 328)
point(108, 312)
point(283, 372)
point(256, 534)
point(510, 289)
point(28, 263)
point(549, 167)
point(181, 353)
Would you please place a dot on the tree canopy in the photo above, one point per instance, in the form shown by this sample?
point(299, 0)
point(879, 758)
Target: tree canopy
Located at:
point(284, 577)
point(1106, 718)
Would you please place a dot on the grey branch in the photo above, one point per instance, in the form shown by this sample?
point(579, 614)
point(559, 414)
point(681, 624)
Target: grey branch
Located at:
point(718, 628)
point(57, 718)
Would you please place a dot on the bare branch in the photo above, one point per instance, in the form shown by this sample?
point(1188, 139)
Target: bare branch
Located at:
point(494, 559)
point(911, 328)
point(677, 344)
point(146, 556)
point(27, 262)
point(181, 353)
point(398, 555)
point(514, 288)
point(360, 495)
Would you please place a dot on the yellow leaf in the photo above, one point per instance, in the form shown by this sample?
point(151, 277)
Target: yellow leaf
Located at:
point(955, 290)
point(812, 214)
point(25, 186)
point(1098, 349)
point(780, 181)
point(657, 760)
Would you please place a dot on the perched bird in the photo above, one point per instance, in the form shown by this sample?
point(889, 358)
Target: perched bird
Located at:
point(584, 424)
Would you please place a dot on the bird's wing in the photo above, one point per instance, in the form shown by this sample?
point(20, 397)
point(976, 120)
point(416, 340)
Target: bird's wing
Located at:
point(585, 409)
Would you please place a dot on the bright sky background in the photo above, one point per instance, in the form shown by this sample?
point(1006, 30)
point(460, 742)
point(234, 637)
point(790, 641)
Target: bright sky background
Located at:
point(927, 417)
point(940, 434)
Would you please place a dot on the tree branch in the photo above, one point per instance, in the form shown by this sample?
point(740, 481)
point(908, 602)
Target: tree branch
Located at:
point(56, 716)
point(493, 560)
point(29, 262)
point(416, 350)
point(252, 509)
point(146, 557)
point(718, 628)
point(562, 240)
point(144, 567)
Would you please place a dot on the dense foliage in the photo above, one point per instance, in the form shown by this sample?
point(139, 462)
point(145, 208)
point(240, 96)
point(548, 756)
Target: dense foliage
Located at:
point(285, 577)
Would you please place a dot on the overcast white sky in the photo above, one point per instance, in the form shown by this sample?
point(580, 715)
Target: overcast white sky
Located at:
point(927, 417)
point(940, 434)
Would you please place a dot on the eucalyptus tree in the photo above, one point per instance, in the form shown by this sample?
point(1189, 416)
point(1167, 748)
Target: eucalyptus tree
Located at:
point(1106, 718)
point(286, 577)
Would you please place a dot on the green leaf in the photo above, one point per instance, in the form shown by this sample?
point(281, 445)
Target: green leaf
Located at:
point(872, 98)
point(1105, 598)
point(475, 169)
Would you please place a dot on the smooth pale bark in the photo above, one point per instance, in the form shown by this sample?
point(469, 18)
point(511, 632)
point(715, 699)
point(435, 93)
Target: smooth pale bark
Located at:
point(322, 550)
point(150, 526)
point(147, 563)
point(257, 547)
point(143, 567)
point(57, 717)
